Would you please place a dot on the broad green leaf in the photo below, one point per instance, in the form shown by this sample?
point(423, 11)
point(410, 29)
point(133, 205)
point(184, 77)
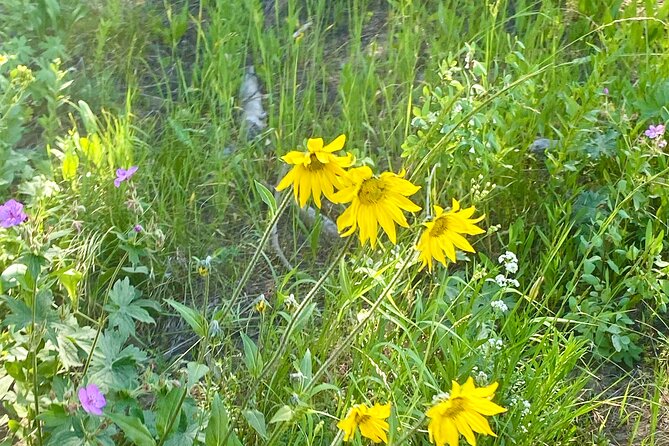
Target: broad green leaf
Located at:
point(70, 278)
point(88, 118)
point(252, 357)
point(133, 429)
point(165, 407)
point(192, 317)
point(70, 165)
point(196, 372)
point(218, 427)
point(92, 149)
point(266, 196)
point(124, 308)
point(256, 420)
point(285, 413)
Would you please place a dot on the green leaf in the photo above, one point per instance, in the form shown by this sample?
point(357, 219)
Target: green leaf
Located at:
point(70, 165)
point(165, 407)
point(218, 426)
point(196, 372)
point(192, 317)
point(252, 357)
point(266, 196)
point(285, 413)
point(70, 278)
point(133, 429)
point(256, 420)
point(124, 309)
point(88, 118)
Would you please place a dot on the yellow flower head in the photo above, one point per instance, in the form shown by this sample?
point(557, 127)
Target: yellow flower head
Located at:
point(463, 413)
point(315, 171)
point(443, 234)
point(3, 59)
point(371, 420)
point(374, 201)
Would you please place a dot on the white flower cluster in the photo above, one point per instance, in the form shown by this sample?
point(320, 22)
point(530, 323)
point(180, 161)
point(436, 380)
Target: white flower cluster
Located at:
point(496, 344)
point(504, 281)
point(499, 305)
point(480, 376)
point(510, 262)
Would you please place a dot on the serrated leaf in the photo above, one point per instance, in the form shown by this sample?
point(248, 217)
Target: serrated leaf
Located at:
point(133, 429)
point(192, 317)
point(256, 420)
point(124, 309)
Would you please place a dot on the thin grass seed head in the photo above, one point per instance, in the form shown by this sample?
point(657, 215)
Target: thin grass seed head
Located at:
point(315, 172)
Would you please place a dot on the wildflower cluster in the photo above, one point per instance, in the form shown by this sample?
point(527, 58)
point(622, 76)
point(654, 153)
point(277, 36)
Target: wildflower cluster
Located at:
point(462, 412)
point(510, 263)
point(375, 201)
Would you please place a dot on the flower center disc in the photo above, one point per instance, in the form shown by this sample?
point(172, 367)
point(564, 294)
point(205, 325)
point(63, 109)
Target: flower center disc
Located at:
point(360, 419)
point(457, 406)
point(371, 191)
point(314, 164)
point(440, 226)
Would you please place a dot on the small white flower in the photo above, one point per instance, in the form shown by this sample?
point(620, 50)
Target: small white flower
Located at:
point(501, 280)
point(511, 267)
point(512, 282)
point(499, 305)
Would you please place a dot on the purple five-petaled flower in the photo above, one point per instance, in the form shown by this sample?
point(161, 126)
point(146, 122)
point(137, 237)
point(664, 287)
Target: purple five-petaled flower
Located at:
point(91, 399)
point(655, 131)
point(123, 175)
point(11, 214)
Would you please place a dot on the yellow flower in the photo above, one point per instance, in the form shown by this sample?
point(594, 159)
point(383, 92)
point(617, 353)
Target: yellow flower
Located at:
point(462, 413)
point(203, 271)
point(442, 234)
point(374, 201)
point(3, 59)
point(315, 171)
point(371, 420)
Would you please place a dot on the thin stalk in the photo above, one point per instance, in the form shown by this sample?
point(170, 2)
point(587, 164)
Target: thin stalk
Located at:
point(38, 425)
point(256, 254)
point(174, 414)
point(411, 431)
point(356, 330)
point(291, 327)
point(300, 309)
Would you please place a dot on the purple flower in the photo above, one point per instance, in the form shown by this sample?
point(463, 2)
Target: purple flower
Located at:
point(138, 228)
point(123, 175)
point(655, 131)
point(605, 91)
point(91, 399)
point(11, 214)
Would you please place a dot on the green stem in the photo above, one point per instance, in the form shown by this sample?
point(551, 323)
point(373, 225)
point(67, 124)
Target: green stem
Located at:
point(256, 254)
point(174, 414)
point(38, 425)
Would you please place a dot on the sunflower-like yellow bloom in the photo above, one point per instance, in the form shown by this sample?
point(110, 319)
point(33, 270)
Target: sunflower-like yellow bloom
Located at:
point(374, 201)
point(315, 171)
point(463, 413)
point(371, 420)
point(443, 234)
